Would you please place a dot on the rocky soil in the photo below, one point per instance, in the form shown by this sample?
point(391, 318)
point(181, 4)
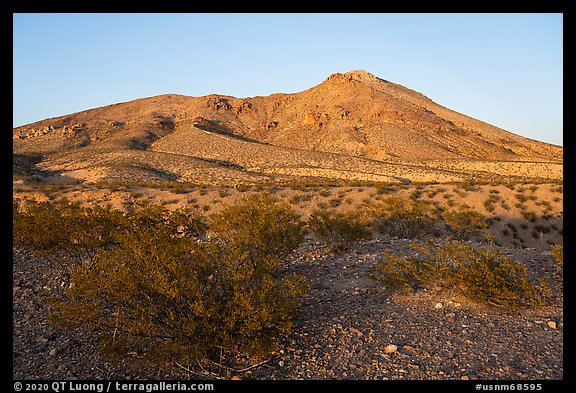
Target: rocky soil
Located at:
point(350, 328)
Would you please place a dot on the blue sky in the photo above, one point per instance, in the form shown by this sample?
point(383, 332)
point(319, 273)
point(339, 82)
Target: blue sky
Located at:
point(505, 69)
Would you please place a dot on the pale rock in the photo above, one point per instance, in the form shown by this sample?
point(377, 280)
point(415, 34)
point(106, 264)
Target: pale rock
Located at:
point(390, 348)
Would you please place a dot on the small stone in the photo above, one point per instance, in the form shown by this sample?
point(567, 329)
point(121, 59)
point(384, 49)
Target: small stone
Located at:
point(538, 322)
point(451, 315)
point(356, 332)
point(552, 324)
point(490, 325)
point(236, 378)
point(390, 348)
point(53, 352)
point(465, 378)
point(438, 306)
point(281, 363)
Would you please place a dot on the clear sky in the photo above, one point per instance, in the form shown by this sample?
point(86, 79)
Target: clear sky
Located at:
point(504, 69)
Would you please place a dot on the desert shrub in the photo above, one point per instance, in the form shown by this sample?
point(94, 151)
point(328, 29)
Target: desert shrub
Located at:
point(258, 226)
point(529, 215)
point(489, 205)
point(179, 189)
point(295, 199)
point(464, 224)
point(558, 253)
point(338, 230)
point(470, 186)
point(223, 192)
point(64, 229)
point(68, 229)
point(542, 228)
point(169, 298)
point(164, 293)
point(483, 275)
point(335, 202)
point(404, 218)
point(521, 197)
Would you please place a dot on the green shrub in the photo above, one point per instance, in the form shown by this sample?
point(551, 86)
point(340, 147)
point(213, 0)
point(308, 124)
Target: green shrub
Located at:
point(529, 215)
point(558, 253)
point(223, 192)
point(521, 197)
point(339, 230)
point(464, 224)
point(258, 226)
point(482, 275)
point(169, 298)
point(404, 218)
point(158, 287)
point(489, 205)
point(48, 229)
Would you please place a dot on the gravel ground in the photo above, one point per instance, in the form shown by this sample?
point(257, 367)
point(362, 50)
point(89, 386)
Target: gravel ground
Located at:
point(349, 328)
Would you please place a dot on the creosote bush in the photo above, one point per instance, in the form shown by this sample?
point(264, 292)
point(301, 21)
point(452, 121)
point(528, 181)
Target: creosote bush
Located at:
point(404, 218)
point(464, 223)
point(558, 253)
point(48, 228)
point(339, 230)
point(258, 226)
point(156, 285)
point(483, 275)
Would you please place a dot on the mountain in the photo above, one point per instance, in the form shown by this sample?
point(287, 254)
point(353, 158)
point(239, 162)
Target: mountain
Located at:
point(352, 126)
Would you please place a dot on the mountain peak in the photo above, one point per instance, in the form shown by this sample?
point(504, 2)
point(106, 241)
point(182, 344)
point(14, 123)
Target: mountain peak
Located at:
point(354, 75)
point(360, 75)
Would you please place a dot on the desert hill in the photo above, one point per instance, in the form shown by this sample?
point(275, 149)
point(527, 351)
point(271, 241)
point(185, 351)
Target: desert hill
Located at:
point(329, 151)
point(352, 126)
